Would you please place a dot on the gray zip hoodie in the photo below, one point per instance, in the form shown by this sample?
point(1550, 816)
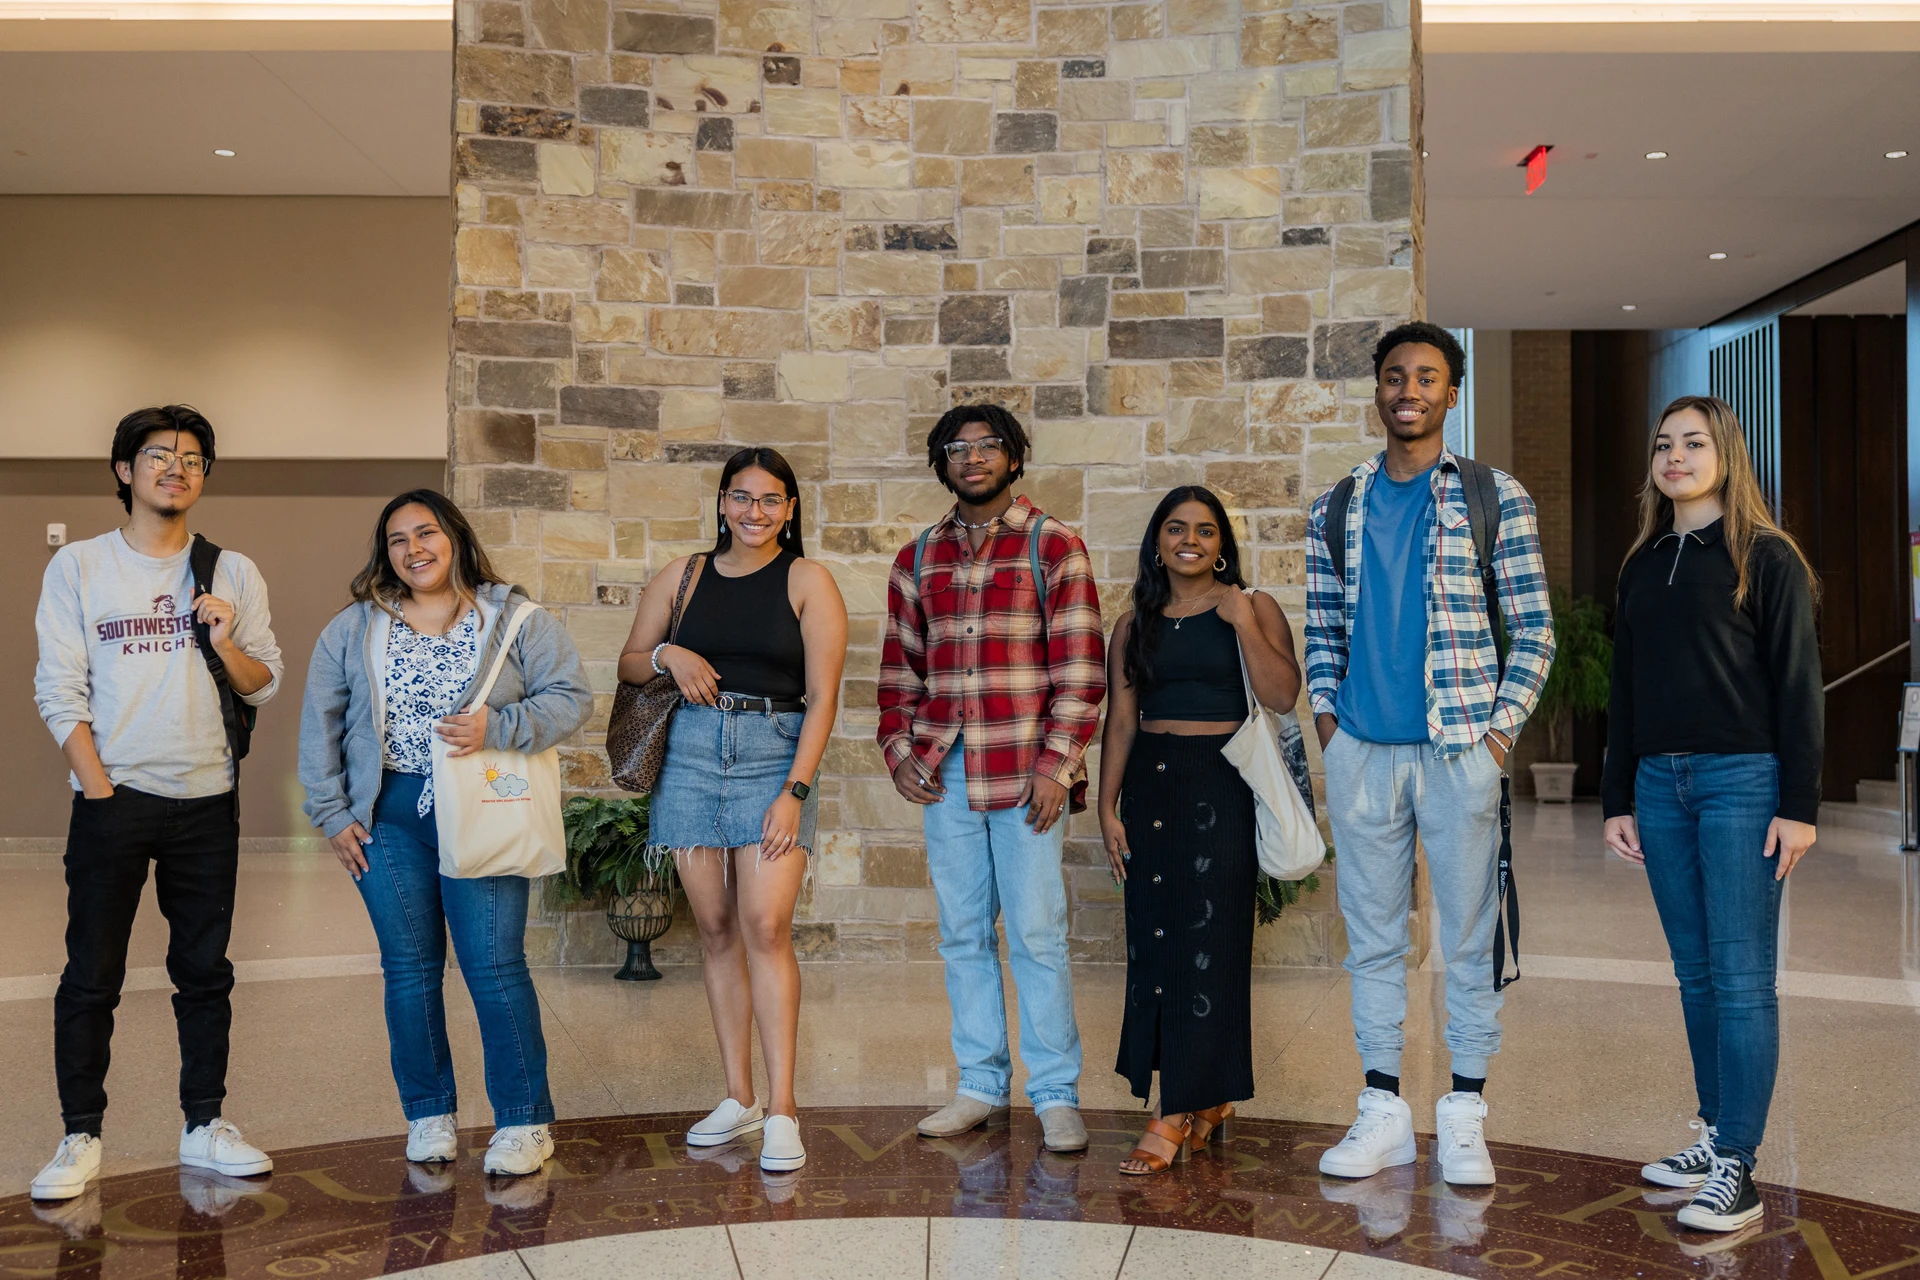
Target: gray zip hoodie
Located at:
point(539, 701)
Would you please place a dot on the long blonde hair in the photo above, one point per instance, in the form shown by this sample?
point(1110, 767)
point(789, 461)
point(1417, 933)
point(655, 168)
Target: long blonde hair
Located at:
point(1746, 515)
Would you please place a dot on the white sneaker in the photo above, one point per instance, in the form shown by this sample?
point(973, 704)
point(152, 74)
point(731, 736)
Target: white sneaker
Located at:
point(1381, 1138)
point(780, 1149)
point(217, 1145)
point(74, 1165)
point(1459, 1123)
point(725, 1123)
point(519, 1149)
point(431, 1139)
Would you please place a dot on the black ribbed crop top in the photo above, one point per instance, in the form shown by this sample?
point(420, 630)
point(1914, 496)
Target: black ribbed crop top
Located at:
point(745, 627)
point(1196, 671)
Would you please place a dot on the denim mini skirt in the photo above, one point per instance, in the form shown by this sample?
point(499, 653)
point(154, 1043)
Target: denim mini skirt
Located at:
point(723, 770)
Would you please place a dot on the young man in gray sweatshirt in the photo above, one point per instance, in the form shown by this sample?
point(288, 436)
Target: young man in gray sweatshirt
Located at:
point(128, 695)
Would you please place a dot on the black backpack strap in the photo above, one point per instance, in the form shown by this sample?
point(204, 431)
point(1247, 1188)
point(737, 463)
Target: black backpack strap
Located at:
point(1336, 529)
point(1481, 489)
point(237, 717)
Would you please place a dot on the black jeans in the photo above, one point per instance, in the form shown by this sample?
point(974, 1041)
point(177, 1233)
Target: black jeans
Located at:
point(194, 846)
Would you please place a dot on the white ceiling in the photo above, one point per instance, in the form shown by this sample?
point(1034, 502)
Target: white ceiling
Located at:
point(1775, 159)
point(300, 122)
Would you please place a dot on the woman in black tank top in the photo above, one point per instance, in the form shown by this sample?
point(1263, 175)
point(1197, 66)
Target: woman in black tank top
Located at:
point(1178, 821)
point(757, 655)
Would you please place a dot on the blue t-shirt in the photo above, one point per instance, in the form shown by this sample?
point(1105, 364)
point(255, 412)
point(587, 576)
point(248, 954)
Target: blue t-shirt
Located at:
point(1384, 697)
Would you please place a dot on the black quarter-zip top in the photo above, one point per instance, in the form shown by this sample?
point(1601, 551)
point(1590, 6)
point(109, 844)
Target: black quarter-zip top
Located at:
point(1693, 674)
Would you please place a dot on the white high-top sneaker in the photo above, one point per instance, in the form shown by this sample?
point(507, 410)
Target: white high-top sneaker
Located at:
point(74, 1165)
point(431, 1139)
point(217, 1145)
point(1459, 1122)
point(519, 1149)
point(1381, 1138)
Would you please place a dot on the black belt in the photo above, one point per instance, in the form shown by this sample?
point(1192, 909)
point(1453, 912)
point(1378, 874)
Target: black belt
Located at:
point(769, 706)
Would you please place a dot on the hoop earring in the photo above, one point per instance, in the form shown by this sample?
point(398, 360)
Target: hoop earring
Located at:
point(1157, 561)
point(1220, 565)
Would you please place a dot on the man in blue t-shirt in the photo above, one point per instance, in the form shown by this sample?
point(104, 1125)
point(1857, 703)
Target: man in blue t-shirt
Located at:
point(1416, 718)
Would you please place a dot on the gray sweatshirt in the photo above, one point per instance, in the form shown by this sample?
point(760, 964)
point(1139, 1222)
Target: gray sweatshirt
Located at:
point(540, 700)
point(117, 651)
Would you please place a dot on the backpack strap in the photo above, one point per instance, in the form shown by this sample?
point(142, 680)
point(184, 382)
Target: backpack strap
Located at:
point(236, 717)
point(1035, 567)
point(919, 556)
point(1337, 503)
point(1481, 489)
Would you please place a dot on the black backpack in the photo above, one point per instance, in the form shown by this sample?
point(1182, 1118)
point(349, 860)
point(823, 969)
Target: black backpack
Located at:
point(1481, 488)
point(237, 716)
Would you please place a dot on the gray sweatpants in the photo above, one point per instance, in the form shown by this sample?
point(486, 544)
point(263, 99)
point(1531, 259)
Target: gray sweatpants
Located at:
point(1378, 799)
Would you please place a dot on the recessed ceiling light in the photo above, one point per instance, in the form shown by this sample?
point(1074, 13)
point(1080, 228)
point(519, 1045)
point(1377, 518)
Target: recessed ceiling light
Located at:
point(222, 151)
point(1656, 155)
point(1717, 257)
point(1896, 155)
point(1628, 306)
point(1425, 154)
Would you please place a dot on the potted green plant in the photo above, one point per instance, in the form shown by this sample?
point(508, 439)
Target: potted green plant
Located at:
point(609, 860)
point(1577, 684)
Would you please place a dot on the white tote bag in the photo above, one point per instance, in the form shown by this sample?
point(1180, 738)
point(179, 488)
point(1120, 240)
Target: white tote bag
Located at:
point(1287, 837)
point(498, 812)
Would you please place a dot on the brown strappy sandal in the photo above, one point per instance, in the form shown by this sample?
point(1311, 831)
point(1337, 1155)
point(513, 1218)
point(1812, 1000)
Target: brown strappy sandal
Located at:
point(1174, 1136)
point(1211, 1123)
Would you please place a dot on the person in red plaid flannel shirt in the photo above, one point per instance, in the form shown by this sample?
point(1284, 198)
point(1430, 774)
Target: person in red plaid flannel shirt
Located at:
point(990, 692)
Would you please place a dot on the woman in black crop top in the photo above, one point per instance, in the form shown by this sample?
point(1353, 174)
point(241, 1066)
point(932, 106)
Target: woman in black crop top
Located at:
point(1178, 820)
point(761, 640)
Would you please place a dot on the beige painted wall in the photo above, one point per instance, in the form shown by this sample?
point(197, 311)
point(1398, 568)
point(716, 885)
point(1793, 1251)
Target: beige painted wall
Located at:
point(302, 326)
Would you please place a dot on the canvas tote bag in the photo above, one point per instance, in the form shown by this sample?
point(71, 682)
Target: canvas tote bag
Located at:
point(1287, 837)
point(497, 811)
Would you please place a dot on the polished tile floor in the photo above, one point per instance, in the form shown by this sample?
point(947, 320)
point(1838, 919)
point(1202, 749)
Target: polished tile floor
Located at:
point(1594, 1061)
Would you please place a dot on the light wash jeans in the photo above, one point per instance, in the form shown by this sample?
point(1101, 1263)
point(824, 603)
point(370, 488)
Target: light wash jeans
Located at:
point(1379, 798)
point(413, 908)
point(981, 864)
point(1703, 825)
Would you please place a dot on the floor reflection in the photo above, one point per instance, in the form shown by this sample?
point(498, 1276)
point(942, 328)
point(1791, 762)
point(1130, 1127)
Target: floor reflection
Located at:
point(358, 1209)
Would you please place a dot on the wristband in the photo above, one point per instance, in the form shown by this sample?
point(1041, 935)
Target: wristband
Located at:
point(655, 659)
point(1505, 739)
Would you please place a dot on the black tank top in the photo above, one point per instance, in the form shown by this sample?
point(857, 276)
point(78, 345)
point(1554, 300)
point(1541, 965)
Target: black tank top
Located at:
point(1196, 671)
point(746, 628)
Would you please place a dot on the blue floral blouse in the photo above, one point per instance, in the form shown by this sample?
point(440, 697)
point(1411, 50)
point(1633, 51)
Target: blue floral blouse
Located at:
point(424, 678)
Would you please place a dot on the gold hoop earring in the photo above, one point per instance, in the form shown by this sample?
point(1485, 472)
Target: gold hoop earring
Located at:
point(1157, 561)
point(1220, 565)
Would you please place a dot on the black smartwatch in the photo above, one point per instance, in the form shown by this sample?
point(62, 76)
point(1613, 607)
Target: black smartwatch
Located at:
point(800, 790)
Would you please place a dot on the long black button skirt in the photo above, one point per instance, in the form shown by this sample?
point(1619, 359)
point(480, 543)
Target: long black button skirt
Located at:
point(1190, 920)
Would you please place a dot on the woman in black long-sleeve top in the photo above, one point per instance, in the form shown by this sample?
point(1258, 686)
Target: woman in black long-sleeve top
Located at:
point(1712, 780)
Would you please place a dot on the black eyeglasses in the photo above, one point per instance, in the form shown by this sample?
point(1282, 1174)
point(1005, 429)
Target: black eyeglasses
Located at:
point(990, 449)
point(162, 460)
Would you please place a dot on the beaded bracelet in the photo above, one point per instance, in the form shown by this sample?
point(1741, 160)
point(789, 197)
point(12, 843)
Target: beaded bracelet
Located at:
point(655, 659)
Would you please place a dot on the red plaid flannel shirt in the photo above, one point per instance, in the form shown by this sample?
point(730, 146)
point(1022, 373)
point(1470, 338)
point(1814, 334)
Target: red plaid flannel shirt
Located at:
point(972, 657)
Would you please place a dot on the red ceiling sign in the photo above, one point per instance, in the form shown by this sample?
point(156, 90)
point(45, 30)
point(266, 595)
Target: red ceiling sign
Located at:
point(1536, 166)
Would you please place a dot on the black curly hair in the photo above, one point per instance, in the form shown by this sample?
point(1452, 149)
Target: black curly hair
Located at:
point(1433, 336)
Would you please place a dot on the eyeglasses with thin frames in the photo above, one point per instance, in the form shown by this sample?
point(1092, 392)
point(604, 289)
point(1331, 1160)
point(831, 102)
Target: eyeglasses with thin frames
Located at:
point(161, 461)
point(990, 449)
point(769, 503)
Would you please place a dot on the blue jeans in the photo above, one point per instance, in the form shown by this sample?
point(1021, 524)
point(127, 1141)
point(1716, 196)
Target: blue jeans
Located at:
point(1380, 797)
point(982, 864)
point(413, 908)
point(1703, 826)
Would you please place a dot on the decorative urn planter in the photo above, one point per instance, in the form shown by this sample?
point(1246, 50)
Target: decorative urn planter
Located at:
point(1553, 783)
point(638, 918)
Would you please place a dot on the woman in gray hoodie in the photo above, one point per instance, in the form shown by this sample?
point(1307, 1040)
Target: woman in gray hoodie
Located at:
point(388, 674)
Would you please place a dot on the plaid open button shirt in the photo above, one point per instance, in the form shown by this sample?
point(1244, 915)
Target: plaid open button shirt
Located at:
point(966, 653)
point(1466, 692)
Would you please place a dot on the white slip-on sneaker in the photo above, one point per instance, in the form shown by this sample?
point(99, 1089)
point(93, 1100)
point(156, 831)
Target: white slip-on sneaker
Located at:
point(74, 1165)
point(725, 1123)
point(217, 1145)
point(1381, 1138)
point(780, 1149)
point(431, 1139)
point(1687, 1168)
point(1459, 1124)
point(519, 1149)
